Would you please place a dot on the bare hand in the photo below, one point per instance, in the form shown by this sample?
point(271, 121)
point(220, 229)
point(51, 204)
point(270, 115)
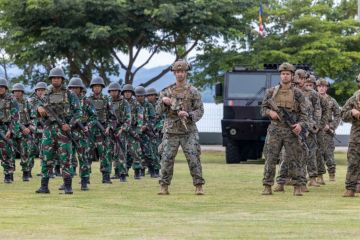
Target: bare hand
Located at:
point(119, 132)
point(274, 115)
point(355, 113)
point(183, 114)
point(65, 127)
point(326, 128)
point(143, 128)
point(8, 134)
point(42, 111)
point(107, 131)
point(86, 129)
point(26, 131)
point(296, 128)
point(166, 101)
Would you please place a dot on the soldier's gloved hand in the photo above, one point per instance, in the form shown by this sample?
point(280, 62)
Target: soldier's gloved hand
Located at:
point(166, 101)
point(274, 115)
point(183, 114)
point(107, 131)
point(8, 134)
point(296, 128)
point(355, 113)
point(42, 111)
point(65, 127)
point(26, 131)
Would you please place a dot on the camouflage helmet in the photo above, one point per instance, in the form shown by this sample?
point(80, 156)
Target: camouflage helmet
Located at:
point(97, 81)
point(18, 87)
point(180, 64)
point(76, 82)
point(114, 86)
point(311, 79)
point(4, 83)
point(322, 82)
point(40, 85)
point(57, 72)
point(301, 73)
point(151, 91)
point(140, 91)
point(127, 87)
point(286, 67)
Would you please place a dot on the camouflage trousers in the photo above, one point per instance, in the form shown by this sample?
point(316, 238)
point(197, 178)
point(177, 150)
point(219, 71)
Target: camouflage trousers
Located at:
point(134, 155)
point(7, 153)
point(168, 150)
point(24, 145)
point(81, 153)
point(149, 152)
point(278, 137)
point(118, 154)
point(353, 168)
point(320, 152)
point(100, 148)
point(329, 153)
point(35, 149)
point(54, 138)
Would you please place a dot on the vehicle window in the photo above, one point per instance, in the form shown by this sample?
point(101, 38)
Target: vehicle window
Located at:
point(275, 79)
point(246, 85)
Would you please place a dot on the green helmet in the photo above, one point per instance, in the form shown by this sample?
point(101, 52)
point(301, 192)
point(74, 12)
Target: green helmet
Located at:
point(286, 67)
point(322, 82)
point(114, 86)
point(140, 91)
point(151, 91)
point(40, 85)
point(76, 82)
point(97, 81)
point(57, 72)
point(300, 73)
point(180, 64)
point(18, 87)
point(4, 83)
point(311, 79)
point(127, 87)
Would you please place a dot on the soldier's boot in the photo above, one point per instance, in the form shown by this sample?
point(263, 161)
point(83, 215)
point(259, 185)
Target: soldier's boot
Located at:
point(332, 177)
point(39, 175)
point(164, 190)
point(30, 174)
point(52, 174)
point(44, 186)
point(279, 188)
point(25, 176)
point(199, 190)
point(12, 177)
point(142, 172)
point(357, 190)
point(137, 174)
point(7, 178)
point(106, 178)
point(349, 193)
point(68, 185)
point(84, 186)
point(116, 174)
point(313, 182)
point(320, 180)
point(151, 171)
point(75, 173)
point(156, 173)
point(267, 190)
point(123, 177)
point(58, 170)
point(297, 191)
point(62, 187)
point(304, 189)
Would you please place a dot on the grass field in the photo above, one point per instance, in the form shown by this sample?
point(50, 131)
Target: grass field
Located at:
point(231, 209)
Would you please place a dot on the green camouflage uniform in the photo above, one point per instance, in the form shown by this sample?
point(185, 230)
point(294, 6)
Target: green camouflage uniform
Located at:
point(325, 115)
point(158, 130)
point(186, 98)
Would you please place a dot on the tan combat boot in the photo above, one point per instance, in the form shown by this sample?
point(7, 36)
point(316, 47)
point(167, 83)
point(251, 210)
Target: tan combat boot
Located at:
point(332, 177)
point(349, 193)
point(304, 189)
point(320, 180)
point(297, 191)
point(313, 182)
point(164, 190)
point(267, 190)
point(199, 190)
point(279, 188)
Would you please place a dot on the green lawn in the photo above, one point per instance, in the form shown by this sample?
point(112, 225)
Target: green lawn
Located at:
point(231, 209)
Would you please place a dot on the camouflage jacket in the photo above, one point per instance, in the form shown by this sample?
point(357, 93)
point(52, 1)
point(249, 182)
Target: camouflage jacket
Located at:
point(37, 123)
point(183, 98)
point(334, 112)
point(122, 112)
point(137, 113)
point(314, 108)
point(300, 104)
point(88, 112)
point(149, 115)
point(325, 112)
point(103, 112)
point(346, 115)
point(9, 113)
point(25, 110)
point(159, 120)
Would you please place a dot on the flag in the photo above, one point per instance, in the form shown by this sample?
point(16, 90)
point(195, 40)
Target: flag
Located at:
point(261, 26)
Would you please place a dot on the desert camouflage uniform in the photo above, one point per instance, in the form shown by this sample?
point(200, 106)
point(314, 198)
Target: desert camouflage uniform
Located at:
point(325, 113)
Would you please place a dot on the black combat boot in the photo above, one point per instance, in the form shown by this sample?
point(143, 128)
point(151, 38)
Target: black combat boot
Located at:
point(122, 177)
point(84, 182)
point(11, 177)
point(142, 172)
point(30, 174)
point(58, 170)
point(7, 178)
point(156, 173)
point(68, 185)
point(106, 178)
point(25, 176)
point(137, 174)
point(116, 174)
point(44, 186)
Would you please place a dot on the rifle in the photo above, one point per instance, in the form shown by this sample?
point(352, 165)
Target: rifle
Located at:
point(289, 121)
point(101, 128)
point(332, 134)
point(22, 127)
point(2, 137)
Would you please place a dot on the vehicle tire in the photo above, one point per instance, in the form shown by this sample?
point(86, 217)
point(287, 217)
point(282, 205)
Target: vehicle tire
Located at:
point(232, 152)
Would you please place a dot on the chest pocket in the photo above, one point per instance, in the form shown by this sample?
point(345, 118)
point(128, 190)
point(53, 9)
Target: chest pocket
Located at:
point(24, 114)
point(59, 103)
point(5, 107)
point(118, 107)
point(285, 98)
point(100, 107)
